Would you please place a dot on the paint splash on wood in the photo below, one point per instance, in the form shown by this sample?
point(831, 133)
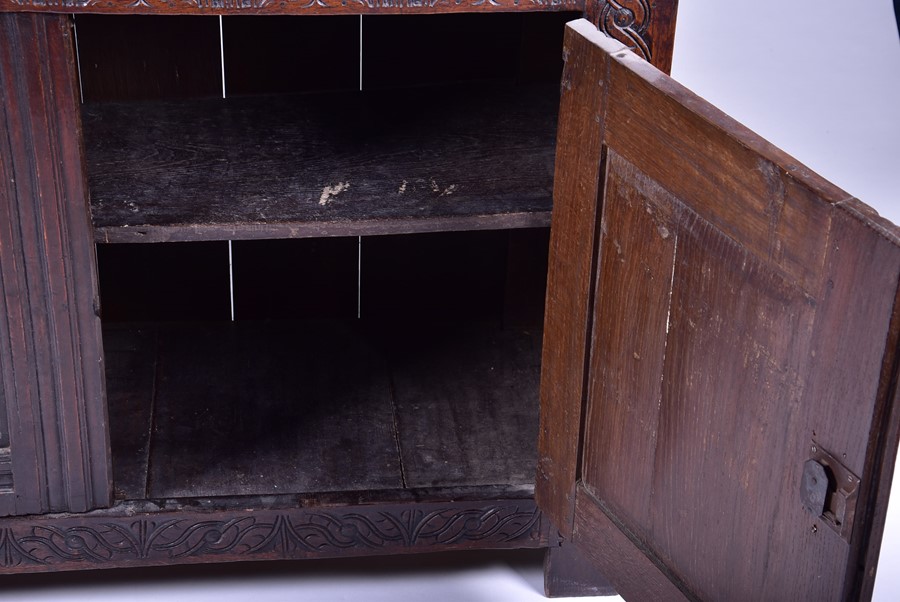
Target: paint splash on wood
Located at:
point(329, 192)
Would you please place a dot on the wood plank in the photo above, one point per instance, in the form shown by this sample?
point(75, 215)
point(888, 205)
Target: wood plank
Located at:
point(467, 403)
point(621, 556)
point(148, 58)
point(289, 7)
point(321, 165)
point(570, 280)
point(628, 355)
point(50, 342)
point(198, 531)
point(283, 56)
point(780, 342)
point(130, 357)
point(569, 573)
point(253, 408)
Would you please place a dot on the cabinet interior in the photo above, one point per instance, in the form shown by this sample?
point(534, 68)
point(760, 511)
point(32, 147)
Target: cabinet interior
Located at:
point(332, 281)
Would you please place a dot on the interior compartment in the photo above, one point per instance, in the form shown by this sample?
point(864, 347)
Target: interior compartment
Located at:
point(394, 344)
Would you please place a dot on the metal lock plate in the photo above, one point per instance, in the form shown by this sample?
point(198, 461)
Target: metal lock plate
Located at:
point(829, 491)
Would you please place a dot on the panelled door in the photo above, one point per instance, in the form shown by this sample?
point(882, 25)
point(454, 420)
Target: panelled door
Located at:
point(718, 417)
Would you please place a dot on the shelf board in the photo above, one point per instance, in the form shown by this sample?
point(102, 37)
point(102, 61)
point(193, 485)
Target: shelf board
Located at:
point(339, 164)
point(312, 407)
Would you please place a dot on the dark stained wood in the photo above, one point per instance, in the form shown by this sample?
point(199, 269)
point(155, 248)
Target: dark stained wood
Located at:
point(323, 165)
point(51, 368)
point(629, 354)
point(411, 50)
point(647, 27)
point(626, 561)
point(568, 573)
point(285, 279)
point(254, 408)
point(746, 312)
point(569, 280)
point(251, 408)
point(166, 282)
point(130, 356)
point(271, 528)
point(526, 277)
point(287, 7)
point(540, 59)
point(272, 55)
point(434, 277)
point(148, 57)
point(466, 399)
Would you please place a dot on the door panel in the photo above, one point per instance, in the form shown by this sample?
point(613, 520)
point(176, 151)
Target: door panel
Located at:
point(743, 322)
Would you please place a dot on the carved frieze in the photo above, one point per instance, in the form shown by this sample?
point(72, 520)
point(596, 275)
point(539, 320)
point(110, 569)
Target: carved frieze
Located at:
point(628, 21)
point(285, 6)
point(102, 540)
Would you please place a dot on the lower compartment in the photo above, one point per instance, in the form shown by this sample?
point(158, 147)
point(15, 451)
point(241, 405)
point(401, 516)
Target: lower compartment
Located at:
point(309, 407)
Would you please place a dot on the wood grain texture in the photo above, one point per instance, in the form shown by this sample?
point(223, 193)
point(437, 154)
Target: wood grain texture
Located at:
point(51, 365)
point(286, 7)
point(778, 327)
point(628, 355)
point(570, 280)
point(267, 408)
point(171, 532)
point(621, 557)
point(568, 573)
point(647, 27)
point(323, 165)
point(148, 58)
point(130, 355)
point(466, 399)
point(250, 408)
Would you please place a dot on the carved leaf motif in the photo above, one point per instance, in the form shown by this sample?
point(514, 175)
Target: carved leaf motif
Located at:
point(282, 534)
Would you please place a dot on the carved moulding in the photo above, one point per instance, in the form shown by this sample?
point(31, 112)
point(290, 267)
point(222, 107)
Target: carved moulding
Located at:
point(120, 537)
point(285, 6)
point(627, 21)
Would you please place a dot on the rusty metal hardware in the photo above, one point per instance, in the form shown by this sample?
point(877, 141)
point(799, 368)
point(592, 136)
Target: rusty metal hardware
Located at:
point(828, 490)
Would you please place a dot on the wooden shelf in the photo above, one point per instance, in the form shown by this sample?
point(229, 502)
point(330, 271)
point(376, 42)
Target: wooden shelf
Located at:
point(341, 164)
point(267, 408)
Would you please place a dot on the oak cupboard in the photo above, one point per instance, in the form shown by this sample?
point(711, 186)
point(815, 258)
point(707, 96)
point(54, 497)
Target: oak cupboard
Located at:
point(716, 362)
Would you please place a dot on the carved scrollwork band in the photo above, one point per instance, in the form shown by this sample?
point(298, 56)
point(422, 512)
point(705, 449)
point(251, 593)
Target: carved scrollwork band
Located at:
point(628, 21)
point(99, 540)
point(285, 6)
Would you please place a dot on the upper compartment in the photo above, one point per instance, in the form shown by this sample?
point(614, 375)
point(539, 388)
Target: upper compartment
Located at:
point(329, 126)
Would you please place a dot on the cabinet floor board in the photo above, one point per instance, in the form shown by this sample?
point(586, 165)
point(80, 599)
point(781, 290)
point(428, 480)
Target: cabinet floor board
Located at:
point(467, 405)
point(306, 407)
point(376, 162)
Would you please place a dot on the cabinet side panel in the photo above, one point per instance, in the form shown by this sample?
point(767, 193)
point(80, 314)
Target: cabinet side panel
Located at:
point(50, 350)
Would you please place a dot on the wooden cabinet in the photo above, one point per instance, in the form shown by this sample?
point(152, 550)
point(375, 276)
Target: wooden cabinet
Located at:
point(714, 372)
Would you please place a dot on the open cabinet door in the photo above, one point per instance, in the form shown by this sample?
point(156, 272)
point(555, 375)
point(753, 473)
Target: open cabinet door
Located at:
point(720, 355)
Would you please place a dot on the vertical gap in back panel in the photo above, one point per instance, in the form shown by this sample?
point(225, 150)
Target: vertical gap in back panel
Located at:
point(359, 254)
point(77, 60)
point(225, 95)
